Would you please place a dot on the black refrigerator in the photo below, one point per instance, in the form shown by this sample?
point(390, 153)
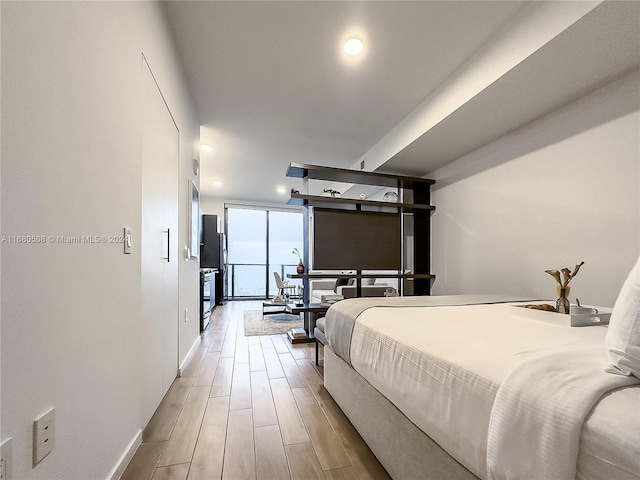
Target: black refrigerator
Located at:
point(213, 254)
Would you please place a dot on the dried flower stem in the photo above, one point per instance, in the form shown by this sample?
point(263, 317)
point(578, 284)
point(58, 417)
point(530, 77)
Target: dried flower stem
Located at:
point(567, 275)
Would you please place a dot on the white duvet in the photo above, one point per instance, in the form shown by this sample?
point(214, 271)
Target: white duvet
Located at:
point(443, 367)
point(539, 410)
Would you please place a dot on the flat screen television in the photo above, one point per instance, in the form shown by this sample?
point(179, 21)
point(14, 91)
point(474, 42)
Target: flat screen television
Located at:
point(356, 240)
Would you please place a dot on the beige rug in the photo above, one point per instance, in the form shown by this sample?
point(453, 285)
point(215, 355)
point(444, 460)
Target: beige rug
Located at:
point(256, 324)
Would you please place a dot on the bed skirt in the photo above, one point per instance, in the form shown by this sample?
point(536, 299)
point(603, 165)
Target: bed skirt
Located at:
point(404, 450)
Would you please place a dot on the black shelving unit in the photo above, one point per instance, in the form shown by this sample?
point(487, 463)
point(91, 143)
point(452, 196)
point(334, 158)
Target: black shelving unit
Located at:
point(339, 202)
point(415, 188)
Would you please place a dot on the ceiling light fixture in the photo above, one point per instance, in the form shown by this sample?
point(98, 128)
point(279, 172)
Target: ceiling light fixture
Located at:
point(353, 46)
point(205, 147)
point(281, 190)
point(217, 183)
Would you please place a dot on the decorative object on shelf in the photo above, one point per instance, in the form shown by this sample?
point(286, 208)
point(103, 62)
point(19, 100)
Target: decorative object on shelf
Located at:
point(300, 303)
point(330, 299)
point(391, 197)
point(562, 303)
point(300, 267)
point(363, 196)
point(327, 192)
point(298, 332)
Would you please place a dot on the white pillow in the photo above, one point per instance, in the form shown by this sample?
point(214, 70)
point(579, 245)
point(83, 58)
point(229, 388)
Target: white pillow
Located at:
point(623, 336)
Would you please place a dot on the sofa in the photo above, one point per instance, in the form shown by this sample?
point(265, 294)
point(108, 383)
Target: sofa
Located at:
point(371, 287)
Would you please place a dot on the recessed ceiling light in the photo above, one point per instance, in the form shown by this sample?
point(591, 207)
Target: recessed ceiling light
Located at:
point(353, 46)
point(281, 190)
point(205, 147)
point(217, 183)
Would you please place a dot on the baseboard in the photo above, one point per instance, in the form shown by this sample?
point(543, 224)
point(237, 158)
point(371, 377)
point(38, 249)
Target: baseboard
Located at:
point(126, 457)
point(188, 356)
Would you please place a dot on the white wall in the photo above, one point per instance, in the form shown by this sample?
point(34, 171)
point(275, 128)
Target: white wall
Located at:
point(213, 206)
point(71, 123)
point(562, 190)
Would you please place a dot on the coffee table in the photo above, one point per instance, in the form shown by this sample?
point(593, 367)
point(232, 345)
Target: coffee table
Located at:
point(281, 307)
point(311, 313)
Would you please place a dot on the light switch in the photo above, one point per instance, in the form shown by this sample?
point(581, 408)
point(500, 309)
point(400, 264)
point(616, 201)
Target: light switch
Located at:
point(127, 241)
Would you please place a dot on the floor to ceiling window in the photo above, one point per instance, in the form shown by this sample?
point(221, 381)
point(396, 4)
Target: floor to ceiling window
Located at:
point(260, 241)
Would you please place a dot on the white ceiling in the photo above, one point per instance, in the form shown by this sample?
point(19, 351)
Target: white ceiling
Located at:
point(271, 86)
point(599, 48)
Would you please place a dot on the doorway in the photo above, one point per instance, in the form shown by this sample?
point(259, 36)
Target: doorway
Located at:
point(159, 245)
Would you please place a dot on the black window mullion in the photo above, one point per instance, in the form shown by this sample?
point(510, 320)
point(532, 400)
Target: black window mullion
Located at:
point(267, 257)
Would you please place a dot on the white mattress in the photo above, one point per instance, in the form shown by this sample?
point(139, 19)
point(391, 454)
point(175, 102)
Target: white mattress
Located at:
point(442, 367)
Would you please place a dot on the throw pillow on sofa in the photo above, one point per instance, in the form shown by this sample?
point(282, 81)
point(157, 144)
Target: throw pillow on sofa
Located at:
point(341, 282)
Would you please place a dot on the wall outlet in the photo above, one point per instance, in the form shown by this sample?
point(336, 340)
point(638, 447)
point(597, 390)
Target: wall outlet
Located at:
point(44, 429)
point(186, 314)
point(6, 460)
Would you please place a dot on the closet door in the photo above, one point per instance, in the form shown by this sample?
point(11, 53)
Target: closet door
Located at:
point(159, 241)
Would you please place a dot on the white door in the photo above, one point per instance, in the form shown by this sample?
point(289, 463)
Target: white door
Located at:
point(159, 242)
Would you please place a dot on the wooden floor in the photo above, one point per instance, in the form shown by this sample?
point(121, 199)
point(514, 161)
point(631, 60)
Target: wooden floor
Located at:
point(250, 408)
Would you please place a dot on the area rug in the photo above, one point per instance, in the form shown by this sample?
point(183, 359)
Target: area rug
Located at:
point(257, 324)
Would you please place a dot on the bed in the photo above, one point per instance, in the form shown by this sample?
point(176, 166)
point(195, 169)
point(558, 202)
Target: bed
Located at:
point(463, 387)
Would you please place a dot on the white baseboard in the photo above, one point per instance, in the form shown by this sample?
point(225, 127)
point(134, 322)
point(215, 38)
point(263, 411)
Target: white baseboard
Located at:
point(126, 457)
point(188, 356)
point(137, 440)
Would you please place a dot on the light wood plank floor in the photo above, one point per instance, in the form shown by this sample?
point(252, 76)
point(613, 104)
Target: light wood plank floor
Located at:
point(250, 408)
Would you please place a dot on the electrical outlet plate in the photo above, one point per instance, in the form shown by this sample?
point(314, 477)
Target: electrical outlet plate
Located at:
point(6, 460)
point(44, 429)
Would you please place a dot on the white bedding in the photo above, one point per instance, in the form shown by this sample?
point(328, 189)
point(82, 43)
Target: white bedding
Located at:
point(340, 318)
point(599, 457)
point(443, 366)
point(539, 410)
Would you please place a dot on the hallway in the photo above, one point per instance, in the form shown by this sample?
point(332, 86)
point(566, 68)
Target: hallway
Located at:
point(250, 408)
